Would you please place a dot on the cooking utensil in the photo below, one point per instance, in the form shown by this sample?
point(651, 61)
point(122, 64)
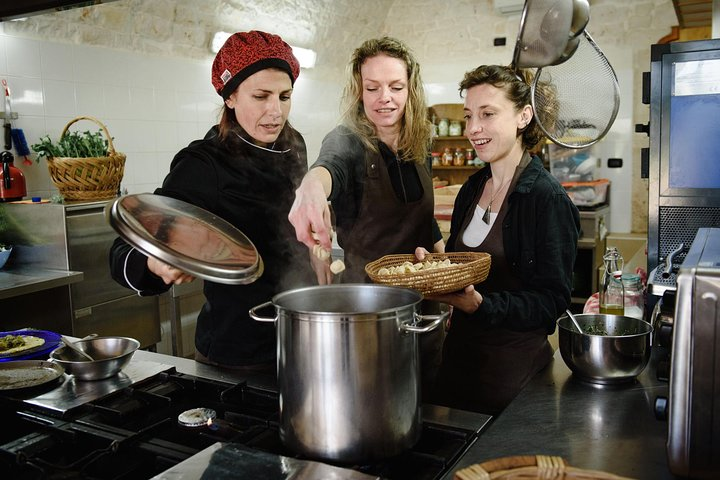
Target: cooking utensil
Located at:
point(618, 352)
point(22, 374)
point(348, 369)
point(8, 116)
point(580, 17)
point(71, 345)
point(565, 111)
point(186, 237)
point(110, 354)
point(574, 321)
point(544, 32)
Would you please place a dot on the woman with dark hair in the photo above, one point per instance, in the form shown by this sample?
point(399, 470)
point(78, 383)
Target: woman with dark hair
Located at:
point(245, 171)
point(372, 167)
point(516, 211)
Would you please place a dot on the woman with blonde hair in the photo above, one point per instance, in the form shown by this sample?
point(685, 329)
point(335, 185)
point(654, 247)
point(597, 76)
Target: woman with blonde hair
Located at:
point(373, 170)
point(372, 167)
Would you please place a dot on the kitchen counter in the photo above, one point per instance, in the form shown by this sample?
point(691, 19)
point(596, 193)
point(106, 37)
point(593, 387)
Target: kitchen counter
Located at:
point(606, 428)
point(21, 280)
point(594, 427)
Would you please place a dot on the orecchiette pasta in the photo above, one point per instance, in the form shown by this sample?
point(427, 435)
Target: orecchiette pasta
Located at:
point(409, 267)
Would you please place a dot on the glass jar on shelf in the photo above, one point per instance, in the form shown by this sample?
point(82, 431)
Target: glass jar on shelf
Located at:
point(443, 127)
point(435, 158)
point(455, 128)
point(447, 157)
point(469, 156)
point(459, 157)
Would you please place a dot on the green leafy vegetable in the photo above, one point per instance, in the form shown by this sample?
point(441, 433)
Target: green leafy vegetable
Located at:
point(73, 144)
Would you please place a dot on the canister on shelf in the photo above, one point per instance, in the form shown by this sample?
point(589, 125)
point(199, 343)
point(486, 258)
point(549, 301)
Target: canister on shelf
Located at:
point(447, 157)
point(455, 128)
point(435, 158)
point(459, 157)
point(443, 127)
point(469, 155)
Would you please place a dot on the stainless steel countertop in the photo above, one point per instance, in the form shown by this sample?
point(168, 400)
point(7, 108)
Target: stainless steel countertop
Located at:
point(21, 280)
point(611, 429)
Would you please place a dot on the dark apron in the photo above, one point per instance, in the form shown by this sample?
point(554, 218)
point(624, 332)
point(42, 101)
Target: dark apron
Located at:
point(483, 368)
point(387, 225)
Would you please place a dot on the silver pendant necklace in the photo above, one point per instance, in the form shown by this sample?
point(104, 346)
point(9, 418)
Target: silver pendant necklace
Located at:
point(486, 215)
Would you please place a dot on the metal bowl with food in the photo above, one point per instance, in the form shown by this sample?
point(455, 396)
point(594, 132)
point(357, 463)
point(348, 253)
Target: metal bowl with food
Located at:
point(611, 349)
point(110, 355)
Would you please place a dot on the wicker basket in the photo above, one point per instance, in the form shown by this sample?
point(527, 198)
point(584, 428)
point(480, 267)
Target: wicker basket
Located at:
point(90, 178)
point(473, 268)
point(530, 467)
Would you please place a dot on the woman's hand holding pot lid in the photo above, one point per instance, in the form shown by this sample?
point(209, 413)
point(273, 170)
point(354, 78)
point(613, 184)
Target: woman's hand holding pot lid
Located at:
point(168, 273)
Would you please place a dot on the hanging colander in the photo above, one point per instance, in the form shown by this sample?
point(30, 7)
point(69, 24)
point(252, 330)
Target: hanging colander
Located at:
point(576, 101)
point(549, 31)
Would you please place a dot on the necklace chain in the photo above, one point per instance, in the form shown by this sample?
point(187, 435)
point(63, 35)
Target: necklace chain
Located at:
point(486, 215)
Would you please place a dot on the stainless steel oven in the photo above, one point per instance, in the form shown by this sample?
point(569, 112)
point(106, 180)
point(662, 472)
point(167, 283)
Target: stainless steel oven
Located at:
point(693, 445)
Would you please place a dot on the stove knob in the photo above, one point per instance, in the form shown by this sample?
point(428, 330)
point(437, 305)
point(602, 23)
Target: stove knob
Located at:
point(662, 370)
point(661, 408)
point(663, 334)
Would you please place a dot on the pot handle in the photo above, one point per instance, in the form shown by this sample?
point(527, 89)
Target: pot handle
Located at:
point(258, 318)
point(433, 322)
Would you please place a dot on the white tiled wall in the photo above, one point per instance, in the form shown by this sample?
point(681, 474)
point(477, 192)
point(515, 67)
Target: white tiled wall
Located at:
point(152, 106)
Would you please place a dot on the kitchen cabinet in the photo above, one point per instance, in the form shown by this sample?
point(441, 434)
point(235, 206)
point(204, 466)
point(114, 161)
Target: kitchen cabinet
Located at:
point(77, 237)
point(453, 174)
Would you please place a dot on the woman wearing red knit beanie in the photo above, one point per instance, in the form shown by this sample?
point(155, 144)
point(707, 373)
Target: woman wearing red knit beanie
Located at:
point(244, 170)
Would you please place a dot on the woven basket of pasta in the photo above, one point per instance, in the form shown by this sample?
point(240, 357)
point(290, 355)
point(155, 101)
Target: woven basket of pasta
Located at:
point(439, 273)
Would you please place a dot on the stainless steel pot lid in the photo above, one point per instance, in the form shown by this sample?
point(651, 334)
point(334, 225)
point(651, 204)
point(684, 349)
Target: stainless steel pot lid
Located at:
point(186, 237)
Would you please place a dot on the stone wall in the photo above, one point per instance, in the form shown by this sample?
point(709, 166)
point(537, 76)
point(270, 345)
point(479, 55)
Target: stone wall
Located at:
point(448, 37)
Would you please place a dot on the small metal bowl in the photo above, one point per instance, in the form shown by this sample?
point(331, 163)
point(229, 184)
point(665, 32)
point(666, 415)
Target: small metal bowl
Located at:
point(111, 354)
point(617, 352)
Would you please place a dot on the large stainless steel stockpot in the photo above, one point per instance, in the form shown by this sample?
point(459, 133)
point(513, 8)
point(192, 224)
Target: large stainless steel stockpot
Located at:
point(348, 369)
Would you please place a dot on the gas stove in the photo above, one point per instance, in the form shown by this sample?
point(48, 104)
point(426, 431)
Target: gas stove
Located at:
point(143, 426)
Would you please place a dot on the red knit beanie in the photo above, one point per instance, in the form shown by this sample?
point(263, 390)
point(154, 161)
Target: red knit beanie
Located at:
point(245, 53)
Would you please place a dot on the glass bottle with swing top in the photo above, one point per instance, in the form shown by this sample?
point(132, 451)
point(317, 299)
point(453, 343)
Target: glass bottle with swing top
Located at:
point(612, 291)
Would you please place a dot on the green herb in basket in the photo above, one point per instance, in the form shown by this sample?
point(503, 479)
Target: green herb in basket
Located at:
point(73, 144)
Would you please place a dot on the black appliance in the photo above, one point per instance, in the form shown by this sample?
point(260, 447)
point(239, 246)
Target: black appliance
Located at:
point(683, 215)
point(140, 430)
point(681, 161)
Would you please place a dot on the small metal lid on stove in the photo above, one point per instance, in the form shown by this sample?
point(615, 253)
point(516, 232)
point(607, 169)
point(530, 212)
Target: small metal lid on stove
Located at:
point(196, 417)
point(186, 237)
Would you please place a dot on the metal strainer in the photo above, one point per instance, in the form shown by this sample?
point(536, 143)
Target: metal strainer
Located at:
point(576, 102)
point(545, 29)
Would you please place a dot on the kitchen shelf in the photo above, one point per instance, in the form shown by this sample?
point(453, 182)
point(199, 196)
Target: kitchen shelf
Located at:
point(452, 167)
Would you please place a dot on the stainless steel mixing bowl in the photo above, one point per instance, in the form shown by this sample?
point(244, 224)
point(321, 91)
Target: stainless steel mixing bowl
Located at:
point(617, 350)
point(110, 354)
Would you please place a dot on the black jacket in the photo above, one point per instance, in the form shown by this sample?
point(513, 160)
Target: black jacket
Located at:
point(540, 235)
point(253, 189)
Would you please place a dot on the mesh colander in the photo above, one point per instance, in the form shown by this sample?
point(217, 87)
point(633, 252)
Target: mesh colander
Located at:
point(545, 28)
point(576, 102)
